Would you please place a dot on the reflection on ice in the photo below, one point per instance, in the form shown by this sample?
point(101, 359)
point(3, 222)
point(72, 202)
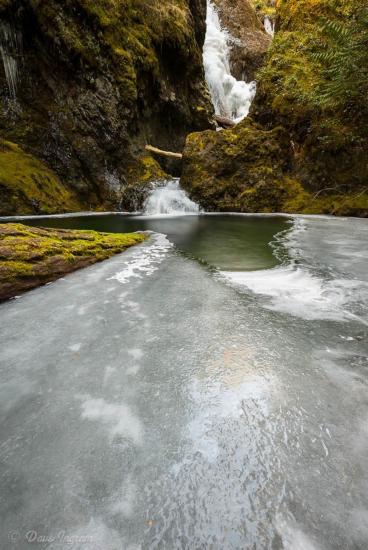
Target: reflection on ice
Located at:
point(119, 418)
point(144, 260)
point(123, 501)
point(95, 535)
point(192, 416)
point(292, 536)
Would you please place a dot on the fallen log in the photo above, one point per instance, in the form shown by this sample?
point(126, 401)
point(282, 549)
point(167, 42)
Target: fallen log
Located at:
point(157, 151)
point(224, 122)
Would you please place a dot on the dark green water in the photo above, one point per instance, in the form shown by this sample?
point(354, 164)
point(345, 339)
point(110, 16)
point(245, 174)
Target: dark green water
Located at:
point(230, 243)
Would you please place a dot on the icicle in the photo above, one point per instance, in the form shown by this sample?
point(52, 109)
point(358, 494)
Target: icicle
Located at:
point(10, 50)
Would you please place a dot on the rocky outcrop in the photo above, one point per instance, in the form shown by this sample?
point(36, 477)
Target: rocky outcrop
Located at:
point(250, 42)
point(87, 83)
point(305, 146)
point(30, 256)
point(225, 171)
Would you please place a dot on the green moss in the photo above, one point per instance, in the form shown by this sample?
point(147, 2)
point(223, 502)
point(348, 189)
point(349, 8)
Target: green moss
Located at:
point(38, 255)
point(293, 87)
point(28, 186)
point(12, 270)
point(297, 152)
point(232, 169)
point(131, 34)
point(265, 7)
point(329, 203)
point(140, 173)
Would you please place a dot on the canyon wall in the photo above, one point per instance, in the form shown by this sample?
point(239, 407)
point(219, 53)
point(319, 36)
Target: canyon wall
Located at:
point(85, 84)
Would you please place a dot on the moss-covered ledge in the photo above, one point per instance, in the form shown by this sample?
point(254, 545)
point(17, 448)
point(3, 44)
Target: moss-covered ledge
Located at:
point(30, 256)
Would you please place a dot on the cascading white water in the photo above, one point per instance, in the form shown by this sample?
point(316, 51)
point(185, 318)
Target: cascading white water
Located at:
point(231, 98)
point(169, 199)
point(10, 49)
point(269, 26)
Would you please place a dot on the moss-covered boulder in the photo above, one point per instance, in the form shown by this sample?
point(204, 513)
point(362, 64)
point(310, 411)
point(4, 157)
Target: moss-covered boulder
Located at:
point(312, 99)
point(31, 256)
point(28, 186)
point(89, 82)
point(221, 169)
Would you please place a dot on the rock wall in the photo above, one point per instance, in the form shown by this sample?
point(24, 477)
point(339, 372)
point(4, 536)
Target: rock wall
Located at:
point(87, 83)
point(304, 147)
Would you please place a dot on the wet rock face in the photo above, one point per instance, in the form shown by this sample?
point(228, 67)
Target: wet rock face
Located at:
point(251, 42)
point(97, 80)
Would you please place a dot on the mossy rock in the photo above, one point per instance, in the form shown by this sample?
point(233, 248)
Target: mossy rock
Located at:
point(31, 256)
point(221, 168)
point(28, 186)
point(248, 170)
point(142, 175)
point(300, 150)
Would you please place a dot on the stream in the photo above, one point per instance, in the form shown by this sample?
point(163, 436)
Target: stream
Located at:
point(204, 390)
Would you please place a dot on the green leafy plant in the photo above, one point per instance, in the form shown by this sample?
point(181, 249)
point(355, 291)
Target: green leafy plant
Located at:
point(344, 63)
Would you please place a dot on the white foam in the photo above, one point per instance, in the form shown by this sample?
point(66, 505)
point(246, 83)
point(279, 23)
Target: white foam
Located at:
point(169, 200)
point(144, 260)
point(299, 289)
point(296, 291)
point(230, 97)
point(119, 418)
point(269, 25)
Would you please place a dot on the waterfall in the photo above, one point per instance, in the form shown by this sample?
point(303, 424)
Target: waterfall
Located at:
point(10, 50)
point(269, 26)
point(231, 98)
point(169, 199)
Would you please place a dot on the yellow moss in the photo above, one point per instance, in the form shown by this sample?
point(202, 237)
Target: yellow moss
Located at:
point(13, 270)
point(28, 252)
point(303, 202)
point(265, 7)
point(28, 185)
point(145, 169)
